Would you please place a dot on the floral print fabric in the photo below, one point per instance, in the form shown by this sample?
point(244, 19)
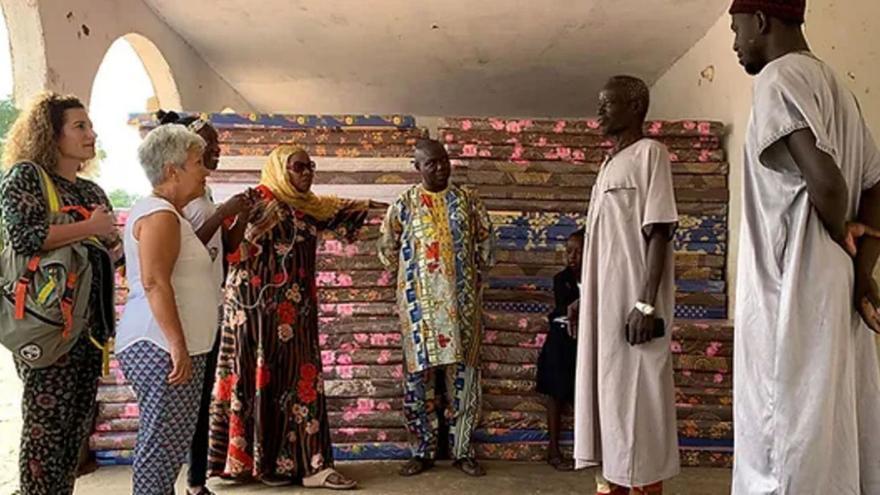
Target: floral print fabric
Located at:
point(269, 415)
point(441, 244)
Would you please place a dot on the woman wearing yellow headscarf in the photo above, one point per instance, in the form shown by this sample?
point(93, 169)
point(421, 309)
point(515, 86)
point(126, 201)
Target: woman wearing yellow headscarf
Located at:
point(269, 416)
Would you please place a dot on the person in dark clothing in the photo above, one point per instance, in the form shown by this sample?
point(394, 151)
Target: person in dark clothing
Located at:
point(556, 363)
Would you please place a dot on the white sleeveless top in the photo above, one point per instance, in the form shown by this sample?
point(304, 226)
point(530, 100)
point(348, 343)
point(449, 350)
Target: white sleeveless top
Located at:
point(197, 212)
point(195, 289)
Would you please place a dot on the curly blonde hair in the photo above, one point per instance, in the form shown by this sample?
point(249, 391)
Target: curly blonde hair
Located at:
point(34, 135)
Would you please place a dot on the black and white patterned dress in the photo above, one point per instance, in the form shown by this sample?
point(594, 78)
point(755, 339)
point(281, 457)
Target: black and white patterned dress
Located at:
point(59, 401)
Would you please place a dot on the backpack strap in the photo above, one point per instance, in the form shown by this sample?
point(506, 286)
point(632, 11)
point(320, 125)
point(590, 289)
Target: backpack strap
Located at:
point(50, 192)
point(22, 285)
point(82, 212)
point(105, 349)
point(53, 201)
point(67, 304)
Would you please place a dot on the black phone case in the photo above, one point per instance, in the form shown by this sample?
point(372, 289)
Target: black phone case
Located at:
point(659, 328)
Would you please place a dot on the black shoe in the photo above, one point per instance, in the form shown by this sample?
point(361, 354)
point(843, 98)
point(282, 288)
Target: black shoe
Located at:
point(416, 465)
point(470, 467)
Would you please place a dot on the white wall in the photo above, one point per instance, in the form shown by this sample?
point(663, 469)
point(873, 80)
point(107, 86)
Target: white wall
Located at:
point(707, 82)
point(59, 45)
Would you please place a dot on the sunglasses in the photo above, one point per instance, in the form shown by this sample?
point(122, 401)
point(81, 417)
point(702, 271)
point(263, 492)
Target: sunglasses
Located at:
point(299, 167)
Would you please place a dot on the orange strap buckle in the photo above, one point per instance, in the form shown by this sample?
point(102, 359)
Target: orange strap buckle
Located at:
point(21, 287)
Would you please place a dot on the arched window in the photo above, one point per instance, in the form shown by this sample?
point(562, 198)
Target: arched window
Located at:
point(133, 78)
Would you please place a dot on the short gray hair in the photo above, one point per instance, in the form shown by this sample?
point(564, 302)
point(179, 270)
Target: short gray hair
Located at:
point(167, 144)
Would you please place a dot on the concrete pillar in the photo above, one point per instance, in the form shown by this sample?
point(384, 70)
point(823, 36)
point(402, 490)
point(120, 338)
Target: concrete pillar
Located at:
point(27, 48)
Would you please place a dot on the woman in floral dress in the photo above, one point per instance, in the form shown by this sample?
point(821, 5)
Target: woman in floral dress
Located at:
point(269, 415)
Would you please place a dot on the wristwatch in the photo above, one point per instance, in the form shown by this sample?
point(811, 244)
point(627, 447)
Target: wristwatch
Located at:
point(645, 309)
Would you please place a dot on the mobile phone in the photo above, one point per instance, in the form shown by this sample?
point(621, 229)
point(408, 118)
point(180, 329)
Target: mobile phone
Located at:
point(659, 328)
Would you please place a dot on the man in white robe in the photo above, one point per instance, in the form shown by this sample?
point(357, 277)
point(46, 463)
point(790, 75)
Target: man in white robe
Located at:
point(624, 392)
point(806, 379)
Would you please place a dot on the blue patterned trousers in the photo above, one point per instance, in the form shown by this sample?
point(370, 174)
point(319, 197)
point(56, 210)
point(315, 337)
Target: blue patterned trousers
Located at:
point(463, 413)
point(168, 415)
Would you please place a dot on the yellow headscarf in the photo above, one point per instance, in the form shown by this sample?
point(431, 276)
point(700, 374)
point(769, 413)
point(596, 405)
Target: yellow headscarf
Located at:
point(274, 177)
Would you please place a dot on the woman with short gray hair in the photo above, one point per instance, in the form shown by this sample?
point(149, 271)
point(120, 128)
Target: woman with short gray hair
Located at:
point(170, 144)
point(167, 328)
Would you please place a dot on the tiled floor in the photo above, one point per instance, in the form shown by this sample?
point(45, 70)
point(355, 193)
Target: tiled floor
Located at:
point(380, 478)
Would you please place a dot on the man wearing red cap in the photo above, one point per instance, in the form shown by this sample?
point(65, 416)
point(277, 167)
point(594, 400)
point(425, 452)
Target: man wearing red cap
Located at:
point(806, 379)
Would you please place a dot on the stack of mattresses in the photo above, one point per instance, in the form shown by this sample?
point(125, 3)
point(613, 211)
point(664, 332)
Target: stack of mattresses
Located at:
point(363, 373)
point(351, 151)
point(117, 419)
point(535, 177)
point(535, 205)
point(514, 423)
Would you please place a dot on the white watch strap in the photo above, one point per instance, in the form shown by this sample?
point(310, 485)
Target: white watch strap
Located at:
point(645, 309)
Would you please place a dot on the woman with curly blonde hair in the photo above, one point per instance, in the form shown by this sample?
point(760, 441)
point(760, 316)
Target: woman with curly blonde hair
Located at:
point(55, 134)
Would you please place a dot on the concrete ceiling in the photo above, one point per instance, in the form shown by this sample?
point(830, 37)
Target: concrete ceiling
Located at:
point(451, 57)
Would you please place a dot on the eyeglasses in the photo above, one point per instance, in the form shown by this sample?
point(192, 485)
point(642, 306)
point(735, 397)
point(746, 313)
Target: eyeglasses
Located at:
point(299, 167)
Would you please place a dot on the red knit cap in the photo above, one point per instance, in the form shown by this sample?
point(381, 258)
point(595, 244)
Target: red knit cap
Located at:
point(786, 10)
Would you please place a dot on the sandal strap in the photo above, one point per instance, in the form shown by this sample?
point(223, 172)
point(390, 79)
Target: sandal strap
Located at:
point(319, 479)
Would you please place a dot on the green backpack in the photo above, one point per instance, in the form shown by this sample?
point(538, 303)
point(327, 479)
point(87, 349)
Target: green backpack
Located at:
point(44, 298)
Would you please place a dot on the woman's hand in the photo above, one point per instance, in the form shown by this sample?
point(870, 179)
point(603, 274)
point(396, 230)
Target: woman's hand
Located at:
point(102, 223)
point(181, 365)
point(236, 205)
